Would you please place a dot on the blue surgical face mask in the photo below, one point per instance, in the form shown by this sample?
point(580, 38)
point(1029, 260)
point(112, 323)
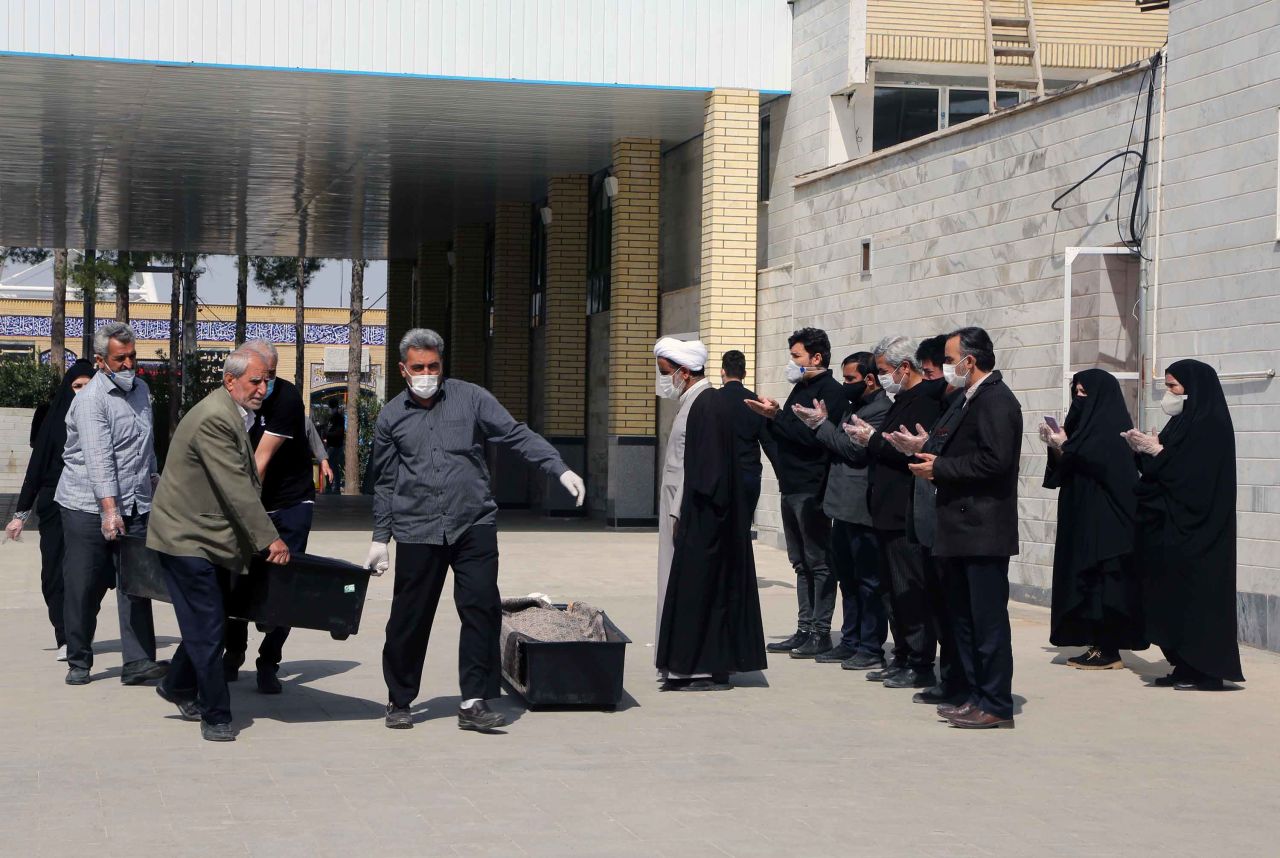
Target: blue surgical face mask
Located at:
point(123, 379)
point(271, 386)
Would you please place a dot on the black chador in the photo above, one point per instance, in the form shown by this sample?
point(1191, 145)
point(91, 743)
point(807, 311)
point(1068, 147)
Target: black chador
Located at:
point(711, 616)
point(1097, 592)
point(1187, 532)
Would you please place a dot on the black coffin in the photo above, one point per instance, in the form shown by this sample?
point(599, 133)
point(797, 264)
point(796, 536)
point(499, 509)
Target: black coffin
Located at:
point(308, 592)
point(569, 673)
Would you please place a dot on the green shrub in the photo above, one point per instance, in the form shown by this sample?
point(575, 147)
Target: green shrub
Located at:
point(26, 384)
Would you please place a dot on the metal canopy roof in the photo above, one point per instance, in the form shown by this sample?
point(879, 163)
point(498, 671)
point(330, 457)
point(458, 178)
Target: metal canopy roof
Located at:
point(150, 156)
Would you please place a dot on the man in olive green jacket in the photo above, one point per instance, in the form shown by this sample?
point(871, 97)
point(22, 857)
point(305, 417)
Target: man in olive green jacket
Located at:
point(206, 517)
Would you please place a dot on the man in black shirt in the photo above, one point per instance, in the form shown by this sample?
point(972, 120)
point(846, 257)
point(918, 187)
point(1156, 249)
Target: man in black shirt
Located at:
point(751, 430)
point(801, 465)
point(282, 453)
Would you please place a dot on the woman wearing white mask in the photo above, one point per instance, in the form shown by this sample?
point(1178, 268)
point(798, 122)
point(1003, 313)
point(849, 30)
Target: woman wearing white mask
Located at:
point(1187, 530)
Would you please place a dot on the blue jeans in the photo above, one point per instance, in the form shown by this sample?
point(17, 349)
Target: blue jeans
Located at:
point(855, 555)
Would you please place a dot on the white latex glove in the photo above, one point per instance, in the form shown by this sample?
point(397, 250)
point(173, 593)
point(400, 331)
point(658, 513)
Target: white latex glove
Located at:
point(1141, 442)
point(1053, 439)
point(907, 442)
point(112, 526)
point(811, 417)
point(379, 559)
point(14, 530)
point(574, 485)
point(859, 431)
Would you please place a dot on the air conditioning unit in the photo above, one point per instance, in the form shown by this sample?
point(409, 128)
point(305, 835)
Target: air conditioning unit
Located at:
point(336, 357)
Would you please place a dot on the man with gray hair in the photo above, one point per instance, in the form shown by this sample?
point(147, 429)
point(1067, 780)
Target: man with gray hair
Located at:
point(282, 455)
point(209, 523)
point(902, 561)
point(103, 494)
point(432, 494)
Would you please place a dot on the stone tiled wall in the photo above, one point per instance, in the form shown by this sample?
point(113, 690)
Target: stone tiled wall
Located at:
point(15, 449)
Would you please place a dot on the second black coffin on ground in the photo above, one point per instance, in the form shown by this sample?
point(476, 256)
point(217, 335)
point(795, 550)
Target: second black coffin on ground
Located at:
point(308, 592)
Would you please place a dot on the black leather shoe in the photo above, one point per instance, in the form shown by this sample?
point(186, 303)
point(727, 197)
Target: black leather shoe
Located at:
point(479, 717)
point(715, 683)
point(789, 644)
point(1204, 683)
point(818, 643)
point(938, 695)
point(398, 717)
point(884, 673)
point(836, 655)
point(217, 732)
point(142, 671)
point(911, 679)
point(231, 667)
point(864, 661)
point(186, 708)
point(268, 682)
point(77, 676)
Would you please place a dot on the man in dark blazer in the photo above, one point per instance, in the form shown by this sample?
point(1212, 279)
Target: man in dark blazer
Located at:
point(751, 430)
point(976, 474)
point(208, 519)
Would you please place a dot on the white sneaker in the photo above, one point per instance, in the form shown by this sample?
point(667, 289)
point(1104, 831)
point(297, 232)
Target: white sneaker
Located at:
point(62, 653)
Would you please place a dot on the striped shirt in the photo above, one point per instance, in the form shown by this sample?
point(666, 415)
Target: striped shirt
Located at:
point(110, 450)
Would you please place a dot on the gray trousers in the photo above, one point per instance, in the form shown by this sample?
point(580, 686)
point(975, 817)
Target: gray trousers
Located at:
point(88, 571)
point(808, 533)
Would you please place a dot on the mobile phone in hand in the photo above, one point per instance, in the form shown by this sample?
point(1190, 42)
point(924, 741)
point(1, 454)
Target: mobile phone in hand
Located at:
point(1052, 423)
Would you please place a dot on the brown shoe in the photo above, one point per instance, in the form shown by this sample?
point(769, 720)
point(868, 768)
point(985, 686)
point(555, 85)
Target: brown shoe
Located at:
point(946, 710)
point(977, 719)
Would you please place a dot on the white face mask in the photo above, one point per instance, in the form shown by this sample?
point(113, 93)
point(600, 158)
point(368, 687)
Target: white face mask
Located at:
point(888, 385)
point(953, 378)
point(424, 386)
point(1172, 403)
point(123, 379)
point(667, 388)
point(794, 372)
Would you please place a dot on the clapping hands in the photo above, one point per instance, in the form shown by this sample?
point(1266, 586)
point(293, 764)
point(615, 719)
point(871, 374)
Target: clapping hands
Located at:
point(1143, 442)
point(811, 417)
point(764, 406)
point(859, 431)
point(907, 442)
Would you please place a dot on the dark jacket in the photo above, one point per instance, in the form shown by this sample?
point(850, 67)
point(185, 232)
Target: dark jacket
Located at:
point(891, 481)
point(922, 522)
point(801, 463)
point(847, 482)
point(976, 473)
point(750, 430)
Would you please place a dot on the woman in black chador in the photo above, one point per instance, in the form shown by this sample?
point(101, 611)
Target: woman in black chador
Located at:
point(1187, 530)
point(1097, 593)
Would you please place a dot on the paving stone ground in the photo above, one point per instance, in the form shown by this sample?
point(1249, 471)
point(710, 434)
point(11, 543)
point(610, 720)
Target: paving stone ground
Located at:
point(806, 760)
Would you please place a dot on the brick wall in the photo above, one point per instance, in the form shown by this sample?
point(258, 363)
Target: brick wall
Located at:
point(432, 278)
point(511, 237)
point(466, 340)
point(566, 304)
point(730, 175)
point(634, 280)
point(400, 318)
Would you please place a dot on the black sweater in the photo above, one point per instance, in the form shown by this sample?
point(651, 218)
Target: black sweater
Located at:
point(802, 460)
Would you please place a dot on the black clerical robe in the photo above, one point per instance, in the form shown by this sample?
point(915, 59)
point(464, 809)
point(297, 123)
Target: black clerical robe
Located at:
point(711, 614)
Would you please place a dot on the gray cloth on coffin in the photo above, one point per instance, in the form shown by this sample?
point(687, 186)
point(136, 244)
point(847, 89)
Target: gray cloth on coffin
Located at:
point(530, 619)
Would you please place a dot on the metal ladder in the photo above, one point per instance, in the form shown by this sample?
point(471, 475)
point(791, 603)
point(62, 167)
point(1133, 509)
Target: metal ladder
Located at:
point(1012, 36)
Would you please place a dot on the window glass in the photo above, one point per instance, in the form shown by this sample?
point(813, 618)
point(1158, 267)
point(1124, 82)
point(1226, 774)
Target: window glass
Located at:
point(966, 104)
point(903, 113)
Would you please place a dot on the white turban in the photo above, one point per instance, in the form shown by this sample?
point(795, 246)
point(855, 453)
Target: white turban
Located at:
point(690, 354)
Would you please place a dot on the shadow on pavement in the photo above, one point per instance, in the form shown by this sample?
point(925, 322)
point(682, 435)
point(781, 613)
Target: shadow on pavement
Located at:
point(299, 703)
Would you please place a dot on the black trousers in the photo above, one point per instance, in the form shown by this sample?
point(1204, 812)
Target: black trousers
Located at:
point(978, 593)
point(294, 526)
point(420, 574)
point(950, 671)
point(808, 533)
point(88, 571)
point(195, 673)
point(52, 549)
point(903, 563)
point(855, 557)
point(750, 482)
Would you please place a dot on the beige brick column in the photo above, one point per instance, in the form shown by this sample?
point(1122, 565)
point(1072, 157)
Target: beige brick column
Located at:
point(433, 277)
point(466, 341)
point(399, 319)
point(633, 276)
point(564, 406)
point(511, 237)
point(633, 327)
point(730, 164)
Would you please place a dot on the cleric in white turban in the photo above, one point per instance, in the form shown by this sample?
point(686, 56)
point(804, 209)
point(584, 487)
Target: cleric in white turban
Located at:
point(708, 608)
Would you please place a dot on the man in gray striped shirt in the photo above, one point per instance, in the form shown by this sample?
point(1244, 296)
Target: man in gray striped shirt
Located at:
point(105, 493)
point(432, 494)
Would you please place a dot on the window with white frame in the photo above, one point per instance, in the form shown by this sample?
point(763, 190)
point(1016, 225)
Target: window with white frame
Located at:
point(903, 113)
